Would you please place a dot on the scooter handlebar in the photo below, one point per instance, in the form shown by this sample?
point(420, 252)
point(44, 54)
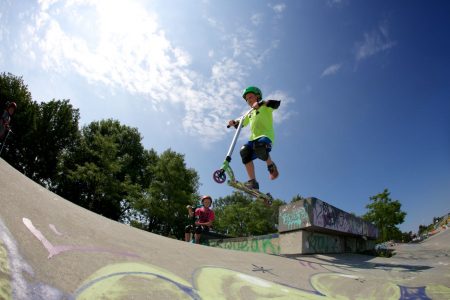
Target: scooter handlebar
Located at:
point(241, 118)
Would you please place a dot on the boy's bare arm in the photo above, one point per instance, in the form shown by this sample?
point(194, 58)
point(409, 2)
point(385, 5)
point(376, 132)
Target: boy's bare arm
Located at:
point(209, 223)
point(190, 211)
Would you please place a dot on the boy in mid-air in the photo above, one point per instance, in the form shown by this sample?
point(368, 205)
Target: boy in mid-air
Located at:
point(262, 134)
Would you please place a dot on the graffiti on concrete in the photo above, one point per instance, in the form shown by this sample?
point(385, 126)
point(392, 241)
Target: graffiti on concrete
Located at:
point(327, 216)
point(312, 212)
point(261, 269)
point(330, 217)
point(132, 281)
point(413, 292)
point(141, 280)
point(308, 264)
point(53, 228)
point(259, 244)
point(55, 250)
point(359, 287)
point(137, 280)
point(321, 243)
point(293, 218)
point(14, 270)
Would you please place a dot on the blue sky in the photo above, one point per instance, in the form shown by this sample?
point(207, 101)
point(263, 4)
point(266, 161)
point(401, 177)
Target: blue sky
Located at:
point(364, 85)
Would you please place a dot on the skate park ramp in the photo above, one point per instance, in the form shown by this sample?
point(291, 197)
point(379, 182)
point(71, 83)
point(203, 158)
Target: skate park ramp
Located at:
point(53, 249)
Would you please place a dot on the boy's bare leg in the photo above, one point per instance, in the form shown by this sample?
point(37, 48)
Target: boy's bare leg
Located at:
point(197, 238)
point(187, 237)
point(250, 167)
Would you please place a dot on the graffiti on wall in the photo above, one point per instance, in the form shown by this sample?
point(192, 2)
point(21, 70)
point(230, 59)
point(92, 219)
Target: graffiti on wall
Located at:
point(330, 217)
point(327, 216)
point(322, 243)
point(259, 244)
point(314, 212)
point(293, 217)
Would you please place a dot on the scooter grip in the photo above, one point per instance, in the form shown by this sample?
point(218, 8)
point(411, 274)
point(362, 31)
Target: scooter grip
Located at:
point(236, 124)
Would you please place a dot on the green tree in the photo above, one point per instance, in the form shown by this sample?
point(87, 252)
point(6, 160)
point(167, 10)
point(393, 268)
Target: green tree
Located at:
point(407, 237)
point(240, 215)
point(162, 207)
point(297, 198)
point(41, 132)
point(104, 171)
point(422, 229)
point(18, 149)
point(56, 132)
point(385, 213)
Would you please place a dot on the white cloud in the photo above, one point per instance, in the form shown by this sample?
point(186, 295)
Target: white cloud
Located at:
point(374, 42)
point(334, 3)
point(331, 70)
point(256, 19)
point(121, 45)
point(246, 45)
point(215, 24)
point(45, 4)
point(285, 111)
point(278, 8)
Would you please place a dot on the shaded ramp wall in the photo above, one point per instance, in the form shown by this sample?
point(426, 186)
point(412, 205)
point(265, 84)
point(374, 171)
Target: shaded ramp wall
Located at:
point(314, 226)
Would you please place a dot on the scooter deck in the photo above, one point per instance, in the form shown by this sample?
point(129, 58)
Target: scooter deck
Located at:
point(266, 198)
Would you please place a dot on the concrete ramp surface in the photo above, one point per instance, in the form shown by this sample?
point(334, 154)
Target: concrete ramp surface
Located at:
point(53, 249)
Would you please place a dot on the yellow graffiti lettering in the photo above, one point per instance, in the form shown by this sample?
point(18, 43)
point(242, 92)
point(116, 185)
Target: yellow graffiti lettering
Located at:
point(5, 277)
point(218, 283)
point(133, 281)
point(343, 286)
point(437, 291)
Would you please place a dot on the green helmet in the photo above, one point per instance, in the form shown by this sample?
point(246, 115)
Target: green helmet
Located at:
point(254, 90)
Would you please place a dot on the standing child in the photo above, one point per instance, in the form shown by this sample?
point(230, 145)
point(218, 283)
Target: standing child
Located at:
point(262, 134)
point(6, 118)
point(204, 219)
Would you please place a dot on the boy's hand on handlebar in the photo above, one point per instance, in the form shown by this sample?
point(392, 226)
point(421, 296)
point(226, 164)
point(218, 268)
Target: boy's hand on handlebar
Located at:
point(233, 123)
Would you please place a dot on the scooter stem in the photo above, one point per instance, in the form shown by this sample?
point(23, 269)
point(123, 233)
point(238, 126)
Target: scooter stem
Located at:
point(236, 135)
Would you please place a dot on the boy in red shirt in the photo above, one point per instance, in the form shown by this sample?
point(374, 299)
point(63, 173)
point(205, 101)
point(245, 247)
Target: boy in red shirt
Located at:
point(204, 219)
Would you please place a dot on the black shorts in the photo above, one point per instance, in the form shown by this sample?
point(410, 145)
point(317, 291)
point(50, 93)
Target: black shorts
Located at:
point(196, 229)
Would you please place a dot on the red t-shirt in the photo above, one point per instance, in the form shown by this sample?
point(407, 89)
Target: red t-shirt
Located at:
point(204, 214)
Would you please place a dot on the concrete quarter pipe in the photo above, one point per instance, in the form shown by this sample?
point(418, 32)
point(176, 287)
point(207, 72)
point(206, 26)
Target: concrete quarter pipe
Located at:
point(53, 249)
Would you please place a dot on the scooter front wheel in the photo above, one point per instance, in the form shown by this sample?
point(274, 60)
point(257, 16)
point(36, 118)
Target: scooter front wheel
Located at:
point(219, 176)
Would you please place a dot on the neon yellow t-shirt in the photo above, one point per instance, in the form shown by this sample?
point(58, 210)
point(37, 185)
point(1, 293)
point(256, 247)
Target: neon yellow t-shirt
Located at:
point(261, 123)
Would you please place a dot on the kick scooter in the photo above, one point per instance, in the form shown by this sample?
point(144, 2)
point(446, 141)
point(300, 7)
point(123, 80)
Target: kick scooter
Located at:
point(220, 175)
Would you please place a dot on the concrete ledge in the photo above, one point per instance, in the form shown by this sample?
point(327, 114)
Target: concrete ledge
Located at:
point(312, 226)
point(315, 215)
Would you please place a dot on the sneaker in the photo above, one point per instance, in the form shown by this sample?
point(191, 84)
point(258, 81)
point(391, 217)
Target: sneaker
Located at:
point(273, 171)
point(252, 184)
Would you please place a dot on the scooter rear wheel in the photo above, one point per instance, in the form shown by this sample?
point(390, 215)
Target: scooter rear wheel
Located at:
point(219, 176)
